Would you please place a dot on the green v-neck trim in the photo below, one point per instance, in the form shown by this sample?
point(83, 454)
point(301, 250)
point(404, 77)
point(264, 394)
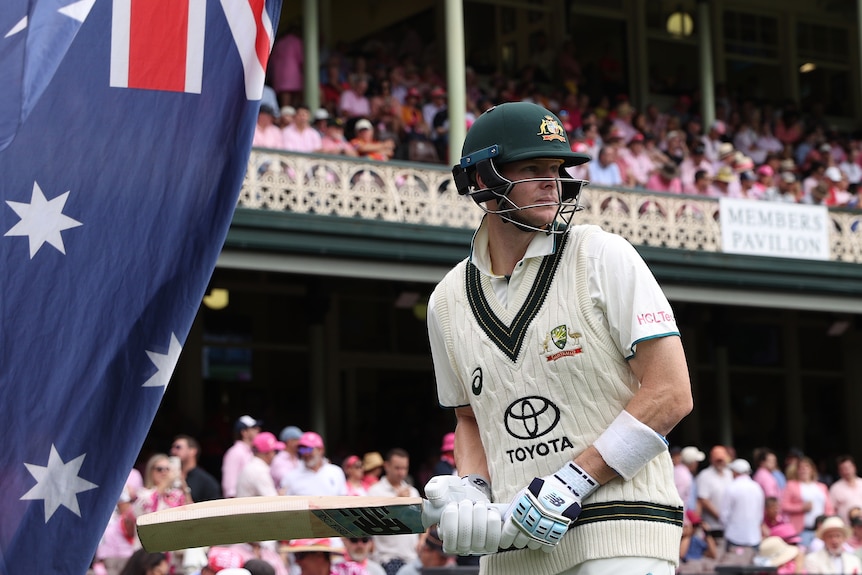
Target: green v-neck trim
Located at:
point(510, 338)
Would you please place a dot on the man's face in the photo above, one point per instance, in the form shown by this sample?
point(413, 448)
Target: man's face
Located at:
point(607, 156)
point(249, 433)
point(312, 456)
point(719, 457)
point(358, 548)
point(543, 194)
point(302, 117)
point(396, 469)
point(847, 470)
point(834, 540)
point(181, 449)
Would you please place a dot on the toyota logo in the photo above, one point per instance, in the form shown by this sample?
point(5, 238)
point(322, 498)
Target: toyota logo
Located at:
point(531, 417)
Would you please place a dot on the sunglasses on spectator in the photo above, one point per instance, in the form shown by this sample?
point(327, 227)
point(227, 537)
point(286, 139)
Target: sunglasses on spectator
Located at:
point(360, 539)
point(304, 449)
point(161, 469)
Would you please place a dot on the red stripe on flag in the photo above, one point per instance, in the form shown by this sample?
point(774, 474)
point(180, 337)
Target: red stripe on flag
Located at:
point(157, 44)
point(262, 40)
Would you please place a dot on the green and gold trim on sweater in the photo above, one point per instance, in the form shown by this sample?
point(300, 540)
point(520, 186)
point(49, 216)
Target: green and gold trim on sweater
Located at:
point(631, 510)
point(510, 338)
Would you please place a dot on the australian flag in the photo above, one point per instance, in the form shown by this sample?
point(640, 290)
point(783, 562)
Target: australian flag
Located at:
point(125, 129)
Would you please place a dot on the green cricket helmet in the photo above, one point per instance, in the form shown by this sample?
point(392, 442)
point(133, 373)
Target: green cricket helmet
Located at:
point(508, 133)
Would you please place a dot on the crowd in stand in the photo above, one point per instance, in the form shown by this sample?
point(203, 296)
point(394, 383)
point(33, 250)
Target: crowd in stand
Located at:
point(789, 518)
point(261, 464)
point(383, 101)
point(738, 512)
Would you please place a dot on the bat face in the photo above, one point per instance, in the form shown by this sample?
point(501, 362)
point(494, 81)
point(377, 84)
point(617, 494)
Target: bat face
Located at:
point(369, 521)
point(248, 519)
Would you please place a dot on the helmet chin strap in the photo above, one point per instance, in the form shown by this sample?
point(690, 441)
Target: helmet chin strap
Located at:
point(511, 215)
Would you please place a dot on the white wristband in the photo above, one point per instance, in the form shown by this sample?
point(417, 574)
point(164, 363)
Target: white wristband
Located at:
point(628, 444)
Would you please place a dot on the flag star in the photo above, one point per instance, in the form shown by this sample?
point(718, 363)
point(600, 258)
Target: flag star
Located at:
point(58, 483)
point(42, 220)
point(165, 364)
point(77, 10)
point(18, 27)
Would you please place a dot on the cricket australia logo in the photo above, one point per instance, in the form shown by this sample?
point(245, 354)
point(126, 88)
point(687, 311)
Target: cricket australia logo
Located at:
point(550, 129)
point(564, 339)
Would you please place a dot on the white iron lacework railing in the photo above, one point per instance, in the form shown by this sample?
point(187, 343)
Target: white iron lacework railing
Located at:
point(412, 193)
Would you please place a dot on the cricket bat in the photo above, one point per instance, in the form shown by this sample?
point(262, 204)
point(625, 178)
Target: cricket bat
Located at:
point(247, 519)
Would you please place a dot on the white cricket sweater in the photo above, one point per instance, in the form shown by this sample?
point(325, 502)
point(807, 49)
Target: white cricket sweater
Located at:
point(545, 379)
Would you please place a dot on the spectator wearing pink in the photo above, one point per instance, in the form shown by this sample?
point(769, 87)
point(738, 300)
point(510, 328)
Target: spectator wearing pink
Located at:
point(255, 479)
point(838, 195)
point(315, 476)
point(639, 165)
point(702, 185)
point(805, 499)
point(354, 103)
point(263, 552)
point(285, 64)
point(766, 462)
point(691, 164)
point(287, 459)
point(266, 133)
point(765, 182)
point(580, 172)
point(782, 556)
point(354, 474)
point(846, 492)
point(685, 465)
point(333, 140)
point(300, 136)
point(623, 121)
point(666, 179)
point(120, 540)
point(723, 181)
point(245, 430)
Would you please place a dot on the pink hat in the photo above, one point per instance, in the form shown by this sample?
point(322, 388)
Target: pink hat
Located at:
point(448, 442)
point(786, 531)
point(325, 545)
point(351, 460)
point(266, 442)
point(765, 170)
point(220, 558)
point(311, 439)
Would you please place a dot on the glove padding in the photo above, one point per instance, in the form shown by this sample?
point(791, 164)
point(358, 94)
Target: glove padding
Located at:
point(540, 515)
point(467, 522)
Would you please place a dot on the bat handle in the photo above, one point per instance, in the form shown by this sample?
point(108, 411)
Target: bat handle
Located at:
point(433, 509)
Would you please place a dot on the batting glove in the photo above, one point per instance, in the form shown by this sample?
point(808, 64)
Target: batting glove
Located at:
point(467, 522)
point(541, 513)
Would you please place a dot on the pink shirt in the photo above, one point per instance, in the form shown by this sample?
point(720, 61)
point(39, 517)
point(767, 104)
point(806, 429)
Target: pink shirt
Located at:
point(282, 464)
point(659, 184)
point(353, 105)
point(767, 482)
point(844, 496)
point(269, 137)
point(639, 166)
point(296, 140)
point(234, 460)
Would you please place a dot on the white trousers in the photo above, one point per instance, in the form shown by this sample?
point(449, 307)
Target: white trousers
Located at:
point(620, 565)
